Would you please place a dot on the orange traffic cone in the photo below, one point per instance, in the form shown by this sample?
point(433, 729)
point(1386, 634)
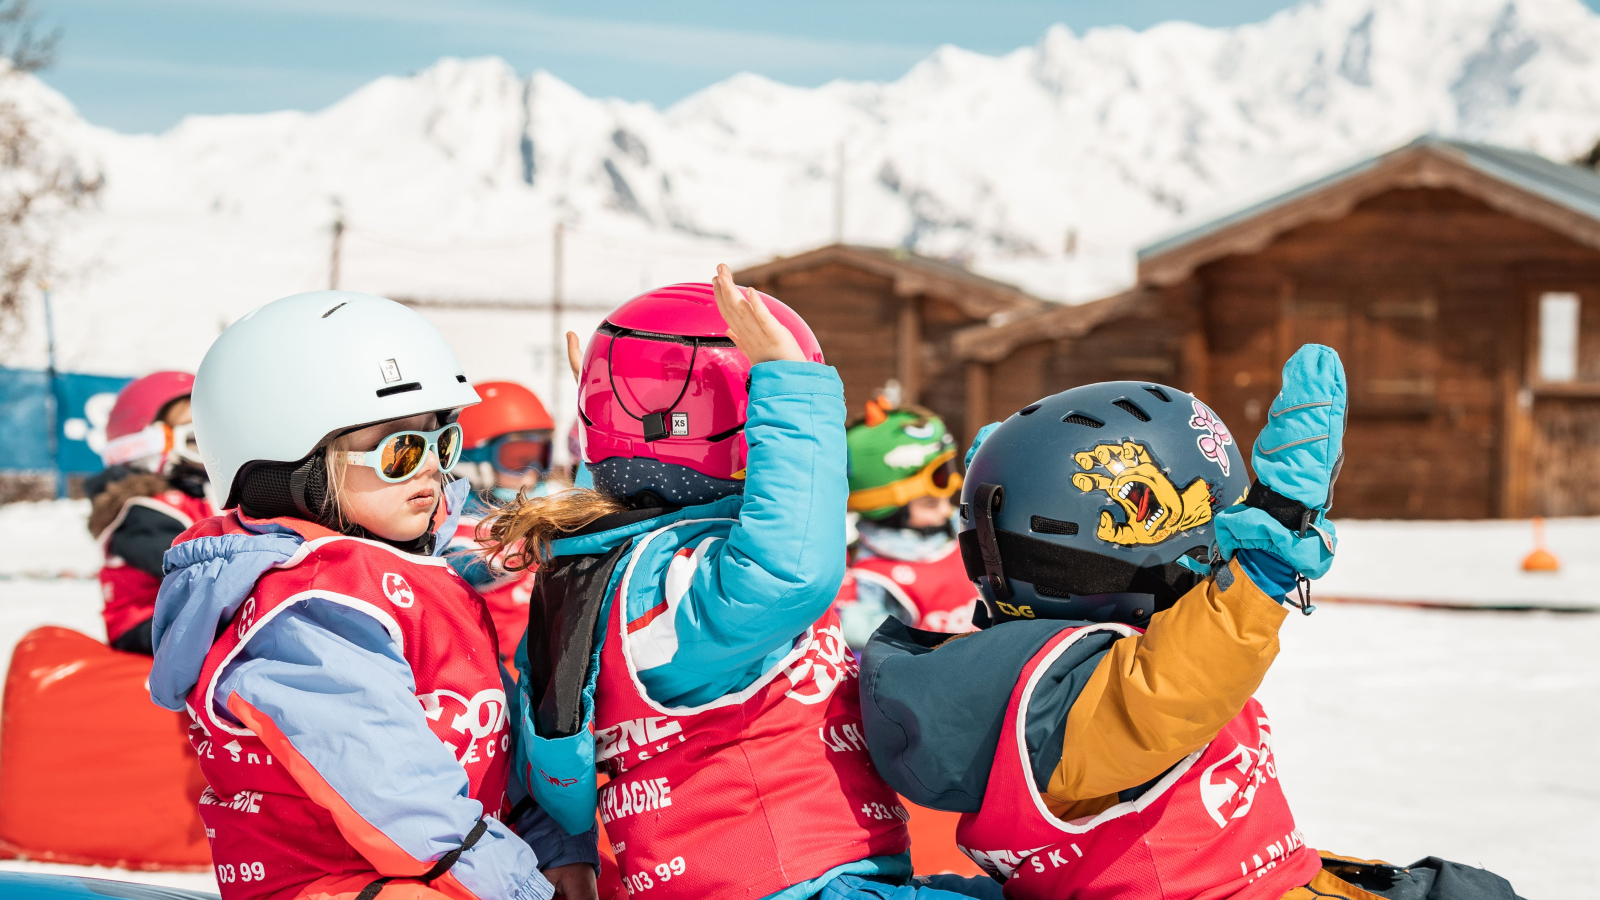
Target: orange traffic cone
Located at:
point(1540, 560)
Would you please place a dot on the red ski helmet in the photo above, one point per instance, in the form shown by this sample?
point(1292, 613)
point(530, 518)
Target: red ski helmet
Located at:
point(661, 380)
point(141, 401)
point(507, 407)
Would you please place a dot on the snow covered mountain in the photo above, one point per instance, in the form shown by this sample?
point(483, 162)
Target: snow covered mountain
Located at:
point(451, 180)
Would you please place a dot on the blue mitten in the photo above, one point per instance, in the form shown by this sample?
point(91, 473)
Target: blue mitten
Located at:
point(1296, 460)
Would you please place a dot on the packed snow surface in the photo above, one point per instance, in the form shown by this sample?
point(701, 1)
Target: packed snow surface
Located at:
point(1400, 732)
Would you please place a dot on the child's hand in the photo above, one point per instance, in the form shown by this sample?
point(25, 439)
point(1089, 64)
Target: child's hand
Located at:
point(575, 356)
point(573, 882)
point(751, 326)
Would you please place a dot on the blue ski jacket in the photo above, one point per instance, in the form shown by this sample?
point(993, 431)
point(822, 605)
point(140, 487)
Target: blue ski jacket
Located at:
point(768, 565)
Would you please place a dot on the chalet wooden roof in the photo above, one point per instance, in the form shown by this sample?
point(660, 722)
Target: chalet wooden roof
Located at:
point(993, 342)
point(1563, 198)
point(913, 275)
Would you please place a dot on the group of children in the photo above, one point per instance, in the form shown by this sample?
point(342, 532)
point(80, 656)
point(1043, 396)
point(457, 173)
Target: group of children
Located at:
point(706, 660)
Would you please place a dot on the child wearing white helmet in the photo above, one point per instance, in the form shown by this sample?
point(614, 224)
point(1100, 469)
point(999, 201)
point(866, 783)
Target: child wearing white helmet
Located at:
point(348, 706)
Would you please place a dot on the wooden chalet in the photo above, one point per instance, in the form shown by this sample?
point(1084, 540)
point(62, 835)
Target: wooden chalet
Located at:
point(884, 314)
point(1459, 282)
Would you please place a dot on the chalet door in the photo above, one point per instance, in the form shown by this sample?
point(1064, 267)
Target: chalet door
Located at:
point(1384, 332)
point(1563, 474)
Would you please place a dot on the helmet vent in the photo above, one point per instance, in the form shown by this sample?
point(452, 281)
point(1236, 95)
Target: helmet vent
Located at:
point(406, 388)
point(1046, 590)
point(1041, 525)
point(1129, 407)
point(1079, 418)
point(1159, 394)
point(335, 309)
point(1028, 410)
point(461, 379)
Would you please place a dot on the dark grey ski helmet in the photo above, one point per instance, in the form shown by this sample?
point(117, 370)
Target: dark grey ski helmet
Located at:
point(1079, 506)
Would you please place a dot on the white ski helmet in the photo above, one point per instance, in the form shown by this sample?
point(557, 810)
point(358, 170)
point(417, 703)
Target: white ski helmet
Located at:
point(288, 376)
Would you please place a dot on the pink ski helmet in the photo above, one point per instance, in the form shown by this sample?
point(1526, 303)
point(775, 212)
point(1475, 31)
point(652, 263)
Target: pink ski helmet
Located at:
point(142, 400)
point(662, 381)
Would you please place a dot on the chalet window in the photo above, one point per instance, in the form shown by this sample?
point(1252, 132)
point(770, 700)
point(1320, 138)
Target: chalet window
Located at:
point(1560, 317)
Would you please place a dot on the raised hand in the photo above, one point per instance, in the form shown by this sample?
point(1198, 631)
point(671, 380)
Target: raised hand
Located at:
point(751, 326)
point(575, 356)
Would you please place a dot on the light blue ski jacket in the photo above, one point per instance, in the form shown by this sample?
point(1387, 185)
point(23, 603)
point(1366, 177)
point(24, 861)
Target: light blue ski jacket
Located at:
point(332, 679)
point(766, 565)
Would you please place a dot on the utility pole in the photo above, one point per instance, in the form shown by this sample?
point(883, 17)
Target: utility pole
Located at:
point(838, 196)
point(558, 339)
point(338, 244)
point(52, 404)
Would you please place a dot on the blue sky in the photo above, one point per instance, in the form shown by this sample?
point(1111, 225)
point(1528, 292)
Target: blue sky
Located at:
point(140, 65)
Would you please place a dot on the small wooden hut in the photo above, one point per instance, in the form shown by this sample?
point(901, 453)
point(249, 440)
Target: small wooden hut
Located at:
point(1459, 282)
point(884, 314)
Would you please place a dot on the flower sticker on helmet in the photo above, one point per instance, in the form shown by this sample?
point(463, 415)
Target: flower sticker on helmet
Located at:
point(1216, 439)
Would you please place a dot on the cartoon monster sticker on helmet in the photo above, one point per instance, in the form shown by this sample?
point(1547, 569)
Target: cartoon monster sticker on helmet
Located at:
point(1091, 498)
point(662, 381)
point(1154, 510)
point(898, 455)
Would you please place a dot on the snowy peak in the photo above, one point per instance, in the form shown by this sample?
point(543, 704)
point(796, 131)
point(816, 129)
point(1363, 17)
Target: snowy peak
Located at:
point(1045, 166)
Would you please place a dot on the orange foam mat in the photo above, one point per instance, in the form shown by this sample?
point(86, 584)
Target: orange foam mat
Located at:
point(92, 772)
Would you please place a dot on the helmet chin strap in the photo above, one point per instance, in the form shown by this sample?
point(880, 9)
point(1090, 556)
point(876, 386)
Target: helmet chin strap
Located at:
point(986, 501)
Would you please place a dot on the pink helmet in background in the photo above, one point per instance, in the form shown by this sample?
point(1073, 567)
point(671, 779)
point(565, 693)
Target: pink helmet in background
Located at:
point(661, 380)
point(142, 400)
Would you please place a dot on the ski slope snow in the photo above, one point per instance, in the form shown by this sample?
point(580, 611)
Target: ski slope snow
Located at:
point(1400, 732)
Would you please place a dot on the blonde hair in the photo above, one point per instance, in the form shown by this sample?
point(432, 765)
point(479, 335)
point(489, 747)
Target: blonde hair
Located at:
point(520, 532)
point(335, 464)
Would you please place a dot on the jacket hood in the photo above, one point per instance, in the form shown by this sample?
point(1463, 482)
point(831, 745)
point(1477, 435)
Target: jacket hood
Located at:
point(208, 576)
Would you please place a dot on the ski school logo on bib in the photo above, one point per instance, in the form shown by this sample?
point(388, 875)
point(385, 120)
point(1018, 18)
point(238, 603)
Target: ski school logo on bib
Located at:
point(482, 717)
point(398, 590)
point(813, 676)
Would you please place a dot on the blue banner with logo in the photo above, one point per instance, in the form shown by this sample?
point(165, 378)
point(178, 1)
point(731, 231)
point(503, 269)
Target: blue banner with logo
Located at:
point(84, 403)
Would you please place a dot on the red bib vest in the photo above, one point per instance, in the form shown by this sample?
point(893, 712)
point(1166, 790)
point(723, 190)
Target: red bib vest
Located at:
point(746, 795)
point(1215, 826)
point(129, 593)
point(936, 591)
point(269, 818)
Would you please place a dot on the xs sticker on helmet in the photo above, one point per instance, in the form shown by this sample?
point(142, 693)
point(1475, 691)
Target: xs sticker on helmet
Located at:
point(1153, 507)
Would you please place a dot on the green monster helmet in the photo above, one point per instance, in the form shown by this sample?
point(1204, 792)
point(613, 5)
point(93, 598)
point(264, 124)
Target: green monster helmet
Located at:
point(896, 456)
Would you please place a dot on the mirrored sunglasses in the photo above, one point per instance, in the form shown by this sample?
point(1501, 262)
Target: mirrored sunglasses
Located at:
point(400, 455)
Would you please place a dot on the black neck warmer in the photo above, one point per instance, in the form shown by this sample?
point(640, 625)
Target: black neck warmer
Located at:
point(299, 490)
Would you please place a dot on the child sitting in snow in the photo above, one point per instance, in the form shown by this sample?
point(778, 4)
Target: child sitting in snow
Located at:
point(153, 488)
point(350, 712)
point(683, 612)
point(904, 561)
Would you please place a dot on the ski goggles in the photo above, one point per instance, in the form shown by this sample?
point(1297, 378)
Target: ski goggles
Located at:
point(401, 454)
point(938, 478)
point(158, 441)
point(516, 453)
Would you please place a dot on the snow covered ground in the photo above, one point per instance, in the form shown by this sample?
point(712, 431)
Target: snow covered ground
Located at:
point(1400, 732)
point(1465, 563)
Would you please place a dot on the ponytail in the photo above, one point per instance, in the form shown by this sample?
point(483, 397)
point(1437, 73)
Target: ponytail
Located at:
point(520, 532)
